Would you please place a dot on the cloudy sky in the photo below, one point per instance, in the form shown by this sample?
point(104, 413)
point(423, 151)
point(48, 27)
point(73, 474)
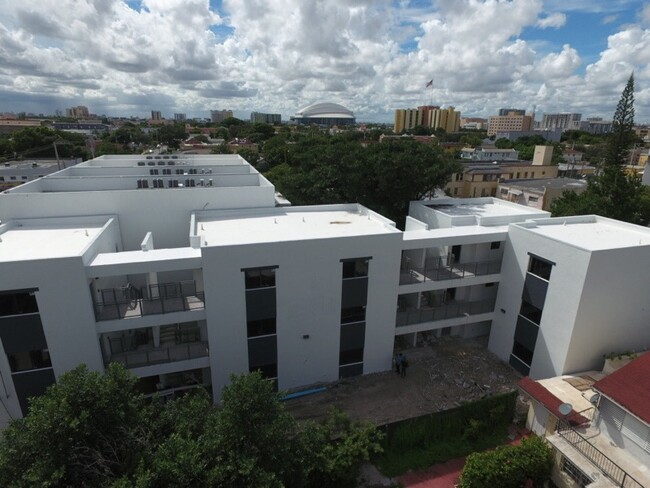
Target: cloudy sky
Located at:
point(131, 57)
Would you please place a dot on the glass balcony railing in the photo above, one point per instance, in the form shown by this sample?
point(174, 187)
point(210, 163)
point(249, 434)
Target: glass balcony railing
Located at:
point(440, 269)
point(451, 310)
point(147, 356)
point(129, 301)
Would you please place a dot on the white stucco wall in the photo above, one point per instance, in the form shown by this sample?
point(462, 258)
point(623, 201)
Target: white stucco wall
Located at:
point(308, 294)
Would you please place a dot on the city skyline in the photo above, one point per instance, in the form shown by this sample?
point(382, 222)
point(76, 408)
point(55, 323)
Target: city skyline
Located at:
point(129, 58)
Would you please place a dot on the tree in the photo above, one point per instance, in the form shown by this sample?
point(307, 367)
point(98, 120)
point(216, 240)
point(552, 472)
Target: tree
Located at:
point(92, 429)
point(85, 431)
point(509, 466)
point(385, 177)
point(614, 193)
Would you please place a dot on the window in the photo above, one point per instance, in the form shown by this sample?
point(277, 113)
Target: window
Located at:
point(532, 174)
point(25, 361)
point(353, 314)
point(261, 327)
point(489, 285)
point(260, 278)
point(355, 269)
point(531, 312)
point(532, 199)
point(574, 473)
point(518, 175)
point(455, 191)
point(504, 191)
point(522, 352)
point(17, 303)
point(23, 177)
point(495, 245)
point(351, 356)
point(540, 268)
point(13, 178)
point(269, 371)
point(526, 174)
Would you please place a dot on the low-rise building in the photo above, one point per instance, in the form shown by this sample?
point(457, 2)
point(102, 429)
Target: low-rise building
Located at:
point(597, 422)
point(538, 193)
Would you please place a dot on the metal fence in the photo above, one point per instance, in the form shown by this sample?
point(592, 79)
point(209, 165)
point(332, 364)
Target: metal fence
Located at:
point(440, 269)
point(177, 352)
point(450, 311)
point(129, 301)
point(608, 467)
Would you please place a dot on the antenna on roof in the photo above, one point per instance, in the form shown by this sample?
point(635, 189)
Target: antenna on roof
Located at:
point(565, 409)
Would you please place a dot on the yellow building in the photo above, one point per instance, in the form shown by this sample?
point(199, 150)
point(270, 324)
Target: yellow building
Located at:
point(428, 116)
point(512, 121)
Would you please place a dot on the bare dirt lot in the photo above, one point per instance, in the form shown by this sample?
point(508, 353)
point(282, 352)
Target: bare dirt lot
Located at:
point(441, 375)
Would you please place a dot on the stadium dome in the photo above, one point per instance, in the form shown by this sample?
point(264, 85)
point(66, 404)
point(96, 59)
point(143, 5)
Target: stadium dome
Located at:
point(324, 114)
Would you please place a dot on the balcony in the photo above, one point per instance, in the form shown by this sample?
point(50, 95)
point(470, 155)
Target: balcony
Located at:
point(136, 348)
point(584, 445)
point(443, 268)
point(451, 310)
point(129, 301)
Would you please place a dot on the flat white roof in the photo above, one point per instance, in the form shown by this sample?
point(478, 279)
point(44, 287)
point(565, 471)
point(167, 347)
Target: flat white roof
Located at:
point(24, 240)
point(289, 224)
point(590, 232)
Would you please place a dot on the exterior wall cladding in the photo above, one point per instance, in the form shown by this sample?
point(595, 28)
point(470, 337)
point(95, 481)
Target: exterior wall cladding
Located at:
point(96, 268)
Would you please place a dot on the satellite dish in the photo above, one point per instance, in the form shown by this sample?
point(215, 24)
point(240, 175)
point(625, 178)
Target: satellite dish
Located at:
point(594, 398)
point(565, 409)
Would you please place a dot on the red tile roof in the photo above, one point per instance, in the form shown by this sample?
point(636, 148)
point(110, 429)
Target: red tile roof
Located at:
point(629, 386)
point(550, 401)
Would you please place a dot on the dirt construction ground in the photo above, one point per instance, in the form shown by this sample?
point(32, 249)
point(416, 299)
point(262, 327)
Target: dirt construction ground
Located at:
point(442, 374)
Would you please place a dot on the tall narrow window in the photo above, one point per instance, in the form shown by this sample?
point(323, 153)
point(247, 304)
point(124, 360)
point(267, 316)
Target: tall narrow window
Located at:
point(261, 321)
point(354, 297)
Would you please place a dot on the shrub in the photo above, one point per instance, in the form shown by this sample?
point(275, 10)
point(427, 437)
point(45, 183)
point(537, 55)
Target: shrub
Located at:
point(509, 466)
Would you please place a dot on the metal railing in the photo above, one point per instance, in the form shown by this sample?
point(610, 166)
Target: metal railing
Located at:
point(442, 268)
point(129, 301)
point(159, 355)
point(608, 467)
point(449, 311)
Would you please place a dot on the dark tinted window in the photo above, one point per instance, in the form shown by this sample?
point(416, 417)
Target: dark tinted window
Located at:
point(531, 312)
point(24, 361)
point(260, 278)
point(355, 269)
point(353, 314)
point(261, 327)
point(540, 268)
point(522, 352)
point(17, 303)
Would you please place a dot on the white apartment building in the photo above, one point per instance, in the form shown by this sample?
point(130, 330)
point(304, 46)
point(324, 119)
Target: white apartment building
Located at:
point(186, 269)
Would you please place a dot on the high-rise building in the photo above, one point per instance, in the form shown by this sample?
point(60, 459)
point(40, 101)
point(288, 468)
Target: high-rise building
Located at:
point(78, 112)
point(511, 121)
point(180, 117)
point(564, 121)
point(156, 115)
point(428, 116)
point(218, 116)
point(514, 111)
point(262, 118)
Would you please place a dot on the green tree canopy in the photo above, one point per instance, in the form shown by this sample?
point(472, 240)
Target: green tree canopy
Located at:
point(614, 193)
point(384, 177)
point(94, 430)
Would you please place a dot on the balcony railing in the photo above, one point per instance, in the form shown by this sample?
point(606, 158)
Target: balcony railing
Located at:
point(442, 268)
point(158, 355)
point(129, 301)
point(608, 467)
point(452, 310)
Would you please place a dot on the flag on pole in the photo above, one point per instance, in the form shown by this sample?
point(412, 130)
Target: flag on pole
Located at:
point(429, 83)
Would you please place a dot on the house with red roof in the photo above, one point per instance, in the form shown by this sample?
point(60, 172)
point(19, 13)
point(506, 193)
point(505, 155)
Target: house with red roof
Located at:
point(597, 424)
